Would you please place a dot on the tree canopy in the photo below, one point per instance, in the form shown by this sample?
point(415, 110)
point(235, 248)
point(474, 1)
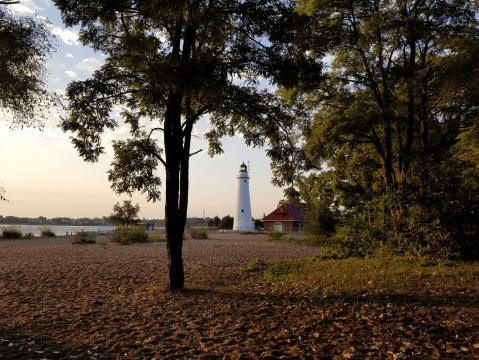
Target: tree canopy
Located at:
point(25, 45)
point(126, 214)
point(395, 117)
point(168, 63)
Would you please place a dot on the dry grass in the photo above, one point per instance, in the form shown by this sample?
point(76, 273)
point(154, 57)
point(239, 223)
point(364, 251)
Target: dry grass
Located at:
point(377, 277)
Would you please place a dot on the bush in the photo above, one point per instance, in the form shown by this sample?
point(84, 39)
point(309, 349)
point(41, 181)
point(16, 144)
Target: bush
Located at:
point(134, 234)
point(28, 235)
point(275, 235)
point(47, 232)
point(82, 237)
point(155, 238)
point(11, 232)
point(198, 233)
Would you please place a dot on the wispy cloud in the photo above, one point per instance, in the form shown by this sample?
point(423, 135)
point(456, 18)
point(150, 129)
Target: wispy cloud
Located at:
point(69, 37)
point(90, 64)
point(26, 7)
point(69, 55)
point(71, 73)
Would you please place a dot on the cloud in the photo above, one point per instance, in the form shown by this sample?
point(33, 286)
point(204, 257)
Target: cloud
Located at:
point(90, 64)
point(69, 55)
point(69, 37)
point(56, 80)
point(26, 6)
point(328, 59)
point(71, 73)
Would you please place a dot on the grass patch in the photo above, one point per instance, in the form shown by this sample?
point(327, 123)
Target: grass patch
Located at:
point(11, 232)
point(198, 234)
point(156, 238)
point(47, 232)
point(134, 234)
point(27, 235)
point(297, 239)
point(366, 277)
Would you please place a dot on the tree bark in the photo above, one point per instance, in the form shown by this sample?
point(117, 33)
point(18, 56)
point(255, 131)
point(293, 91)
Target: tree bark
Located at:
point(173, 222)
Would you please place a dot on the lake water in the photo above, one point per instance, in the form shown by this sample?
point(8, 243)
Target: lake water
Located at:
point(36, 230)
point(62, 230)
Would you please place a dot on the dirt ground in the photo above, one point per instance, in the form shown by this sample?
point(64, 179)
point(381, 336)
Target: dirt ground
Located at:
point(64, 301)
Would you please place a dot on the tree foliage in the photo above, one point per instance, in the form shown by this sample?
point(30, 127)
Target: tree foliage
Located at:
point(395, 121)
point(168, 63)
point(226, 222)
point(25, 45)
point(214, 222)
point(125, 215)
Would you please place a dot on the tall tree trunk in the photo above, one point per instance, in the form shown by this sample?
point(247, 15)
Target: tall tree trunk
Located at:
point(173, 221)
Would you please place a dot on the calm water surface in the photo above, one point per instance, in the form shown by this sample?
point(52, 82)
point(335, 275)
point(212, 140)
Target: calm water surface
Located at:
point(61, 230)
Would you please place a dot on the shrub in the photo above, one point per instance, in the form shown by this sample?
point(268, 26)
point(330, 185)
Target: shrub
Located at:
point(28, 235)
point(114, 238)
point(275, 235)
point(11, 232)
point(47, 232)
point(82, 237)
point(155, 238)
point(134, 234)
point(198, 233)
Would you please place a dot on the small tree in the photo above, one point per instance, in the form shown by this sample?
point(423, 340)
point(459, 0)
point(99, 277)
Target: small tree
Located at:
point(125, 215)
point(258, 224)
point(226, 222)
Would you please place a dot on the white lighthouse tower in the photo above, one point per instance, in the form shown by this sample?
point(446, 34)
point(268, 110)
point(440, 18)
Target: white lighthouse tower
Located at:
point(243, 220)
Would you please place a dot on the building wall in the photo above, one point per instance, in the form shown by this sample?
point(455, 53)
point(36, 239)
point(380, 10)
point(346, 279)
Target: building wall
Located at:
point(268, 225)
point(288, 226)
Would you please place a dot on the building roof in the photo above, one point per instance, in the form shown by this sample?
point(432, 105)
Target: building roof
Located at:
point(286, 212)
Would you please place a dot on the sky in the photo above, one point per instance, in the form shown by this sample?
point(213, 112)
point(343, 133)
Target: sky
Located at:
point(43, 175)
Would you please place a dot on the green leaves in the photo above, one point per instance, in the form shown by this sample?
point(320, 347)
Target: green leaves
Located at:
point(392, 116)
point(134, 167)
point(126, 214)
point(25, 45)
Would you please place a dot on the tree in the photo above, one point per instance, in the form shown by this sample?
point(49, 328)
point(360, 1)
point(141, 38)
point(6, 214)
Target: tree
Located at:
point(394, 103)
point(322, 212)
point(214, 222)
point(169, 63)
point(226, 223)
point(258, 224)
point(25, 45)
point(125, 215)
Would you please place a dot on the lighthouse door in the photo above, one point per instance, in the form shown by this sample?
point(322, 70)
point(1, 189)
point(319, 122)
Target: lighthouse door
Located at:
point(278, 226)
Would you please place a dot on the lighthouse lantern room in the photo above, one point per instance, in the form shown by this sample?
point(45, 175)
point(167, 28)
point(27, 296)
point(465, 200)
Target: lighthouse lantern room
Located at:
point(243, 220)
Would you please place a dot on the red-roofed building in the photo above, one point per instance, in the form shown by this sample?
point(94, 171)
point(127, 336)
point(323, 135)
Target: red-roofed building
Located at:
point(287, 219)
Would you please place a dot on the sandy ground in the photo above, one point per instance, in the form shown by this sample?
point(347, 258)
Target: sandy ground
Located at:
point(64, 301)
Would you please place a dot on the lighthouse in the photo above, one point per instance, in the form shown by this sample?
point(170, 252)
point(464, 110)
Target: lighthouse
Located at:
point(243, 220)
